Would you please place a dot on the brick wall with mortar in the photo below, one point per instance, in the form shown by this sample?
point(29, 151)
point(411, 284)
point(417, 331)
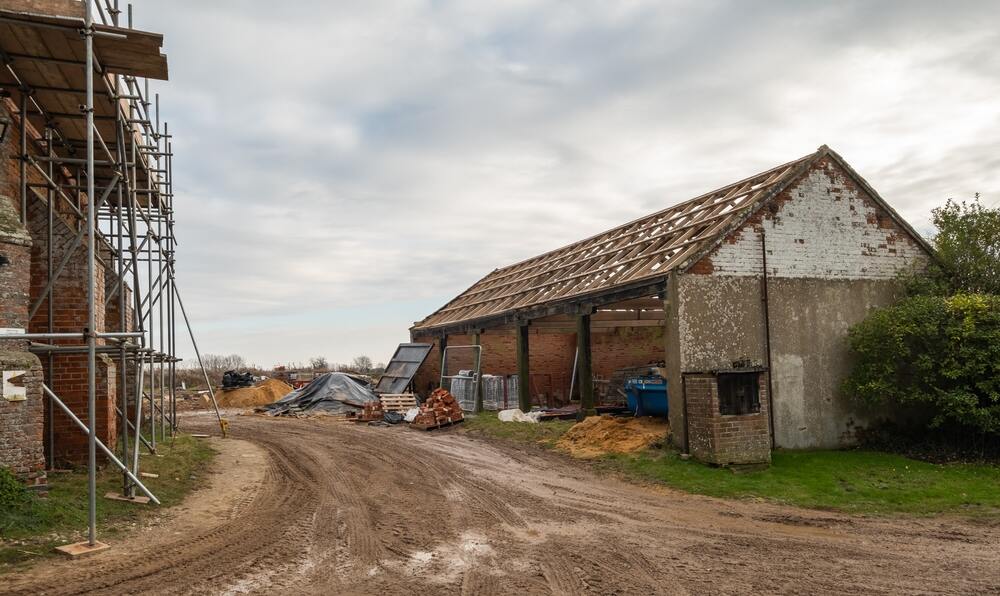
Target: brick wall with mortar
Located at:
point(725, 440)
point(21, 417)
point(823, 226)
point(550, 355)
point(22, 422)
point(70, 291)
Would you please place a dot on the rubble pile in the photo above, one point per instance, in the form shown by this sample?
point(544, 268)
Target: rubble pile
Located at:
point(439, 409)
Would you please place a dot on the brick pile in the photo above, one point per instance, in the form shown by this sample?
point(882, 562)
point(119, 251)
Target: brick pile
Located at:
point(441, 408)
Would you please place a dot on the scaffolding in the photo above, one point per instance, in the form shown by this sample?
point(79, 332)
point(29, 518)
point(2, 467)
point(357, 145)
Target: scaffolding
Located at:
point(117, 199)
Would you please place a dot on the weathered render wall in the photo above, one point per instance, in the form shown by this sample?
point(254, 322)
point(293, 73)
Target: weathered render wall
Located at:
point(832, 256)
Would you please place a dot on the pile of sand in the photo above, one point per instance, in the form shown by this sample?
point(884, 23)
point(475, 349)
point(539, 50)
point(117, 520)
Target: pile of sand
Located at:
point(260, 394)
point(598, 435)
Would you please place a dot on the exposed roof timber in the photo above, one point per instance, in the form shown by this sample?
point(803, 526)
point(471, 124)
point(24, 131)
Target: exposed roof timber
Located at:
point(644, 249)
point(570, 306)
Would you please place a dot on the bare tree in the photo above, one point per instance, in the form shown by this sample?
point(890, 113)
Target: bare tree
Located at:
point(319, 363)
point(362, 364)
point(215, 363)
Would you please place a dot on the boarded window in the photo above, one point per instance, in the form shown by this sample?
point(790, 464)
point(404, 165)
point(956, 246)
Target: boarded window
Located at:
point(739, 393)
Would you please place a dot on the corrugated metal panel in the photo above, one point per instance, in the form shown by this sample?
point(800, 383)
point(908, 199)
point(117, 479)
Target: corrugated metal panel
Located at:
point(401, 368)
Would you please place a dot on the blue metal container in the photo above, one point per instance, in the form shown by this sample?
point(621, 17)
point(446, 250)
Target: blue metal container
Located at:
point(647, 396)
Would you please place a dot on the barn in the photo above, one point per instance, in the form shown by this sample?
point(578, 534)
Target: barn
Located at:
point(742, 297)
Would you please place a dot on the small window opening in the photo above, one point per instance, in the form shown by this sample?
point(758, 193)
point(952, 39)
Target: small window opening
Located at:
point(739, 393)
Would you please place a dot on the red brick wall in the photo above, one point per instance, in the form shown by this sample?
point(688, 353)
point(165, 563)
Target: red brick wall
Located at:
point(68, 373)
point(550, 357)
point(725, 440)
point(15, 278)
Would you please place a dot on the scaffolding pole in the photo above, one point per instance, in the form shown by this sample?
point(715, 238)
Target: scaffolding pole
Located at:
point(119, 192)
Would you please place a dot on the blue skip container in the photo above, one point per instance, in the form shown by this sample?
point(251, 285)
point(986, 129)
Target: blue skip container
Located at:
point(647, 396)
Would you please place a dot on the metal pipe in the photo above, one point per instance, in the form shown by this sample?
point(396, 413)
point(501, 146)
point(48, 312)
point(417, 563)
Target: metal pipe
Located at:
point(101, 445)
point(91, 280)
point(76, 242)
point(197, 353)
point(767, 335)
point(23, 166)
point(50, 305)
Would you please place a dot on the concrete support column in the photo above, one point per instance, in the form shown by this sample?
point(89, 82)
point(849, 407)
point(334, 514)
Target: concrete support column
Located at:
point(523, 384)
point(585, 375)
point(676, 396)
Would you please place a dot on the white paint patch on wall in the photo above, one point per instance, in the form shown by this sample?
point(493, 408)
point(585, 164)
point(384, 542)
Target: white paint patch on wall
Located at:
point(826, 231)
point(13, 385)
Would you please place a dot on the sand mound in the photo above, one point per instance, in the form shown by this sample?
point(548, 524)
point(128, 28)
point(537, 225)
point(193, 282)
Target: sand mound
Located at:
point(598, 435)
point(260, 394)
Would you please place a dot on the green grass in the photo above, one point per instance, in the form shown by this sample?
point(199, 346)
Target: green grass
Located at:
point(853, 481)
point(31, 529)
point(544, 433)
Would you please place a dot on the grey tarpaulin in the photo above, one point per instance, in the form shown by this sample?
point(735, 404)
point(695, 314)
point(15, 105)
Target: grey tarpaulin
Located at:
point(330, 393)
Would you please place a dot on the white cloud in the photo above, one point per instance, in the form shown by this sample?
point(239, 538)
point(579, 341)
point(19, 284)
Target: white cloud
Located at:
point(344, 168)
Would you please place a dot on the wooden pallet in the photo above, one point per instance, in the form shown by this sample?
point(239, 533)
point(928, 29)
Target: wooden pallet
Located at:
point(398, 402)
point(437, 425)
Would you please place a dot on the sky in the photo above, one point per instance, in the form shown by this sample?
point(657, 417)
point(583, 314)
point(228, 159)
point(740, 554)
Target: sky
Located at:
point(343, 169)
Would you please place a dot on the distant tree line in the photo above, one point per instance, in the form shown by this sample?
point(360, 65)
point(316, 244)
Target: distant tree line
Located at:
point(216, 364)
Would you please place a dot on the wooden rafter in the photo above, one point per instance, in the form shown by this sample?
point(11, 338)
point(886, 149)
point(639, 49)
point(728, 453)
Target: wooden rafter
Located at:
point(643, 249)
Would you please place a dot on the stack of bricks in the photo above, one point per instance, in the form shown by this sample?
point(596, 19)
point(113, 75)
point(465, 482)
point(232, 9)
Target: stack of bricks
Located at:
point(371, 411)
point(441, 408)
point(725, 439)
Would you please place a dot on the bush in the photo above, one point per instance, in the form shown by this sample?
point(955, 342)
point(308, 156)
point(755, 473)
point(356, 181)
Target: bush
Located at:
point(12, 490)
point(967, 252)
point(938, 356)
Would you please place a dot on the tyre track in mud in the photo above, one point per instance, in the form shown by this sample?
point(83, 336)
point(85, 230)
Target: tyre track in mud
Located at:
point(361, 510)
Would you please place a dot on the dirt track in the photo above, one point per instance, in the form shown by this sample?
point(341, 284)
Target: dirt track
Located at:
point(330, 508)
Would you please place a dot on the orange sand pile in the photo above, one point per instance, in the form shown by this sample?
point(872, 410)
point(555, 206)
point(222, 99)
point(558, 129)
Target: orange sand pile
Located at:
point(260, 394)
point(598, 435)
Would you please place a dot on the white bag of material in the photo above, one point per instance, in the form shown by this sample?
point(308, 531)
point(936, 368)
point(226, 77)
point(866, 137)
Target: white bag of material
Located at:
point(516, 415)
point(411, 414)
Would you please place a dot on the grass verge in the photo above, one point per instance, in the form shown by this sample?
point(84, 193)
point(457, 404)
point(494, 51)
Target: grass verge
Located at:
point(544, 434)
point(31, 527)
point(852, 481)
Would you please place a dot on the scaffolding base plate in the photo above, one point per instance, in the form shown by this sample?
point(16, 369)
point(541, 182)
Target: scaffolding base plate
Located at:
point(80, 549)
point(118, 497)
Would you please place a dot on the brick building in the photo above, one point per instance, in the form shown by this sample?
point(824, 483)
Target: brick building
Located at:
point(44, 277)
point(746, 293)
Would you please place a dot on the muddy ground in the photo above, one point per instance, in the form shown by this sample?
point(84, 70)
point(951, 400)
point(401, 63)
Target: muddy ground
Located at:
point(319, 507)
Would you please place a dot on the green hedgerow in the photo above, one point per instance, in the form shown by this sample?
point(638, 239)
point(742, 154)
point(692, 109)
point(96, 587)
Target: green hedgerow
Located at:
point(934, 354)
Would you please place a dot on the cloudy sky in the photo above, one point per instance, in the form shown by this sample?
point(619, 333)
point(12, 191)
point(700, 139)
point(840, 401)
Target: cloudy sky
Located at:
point(342, 169)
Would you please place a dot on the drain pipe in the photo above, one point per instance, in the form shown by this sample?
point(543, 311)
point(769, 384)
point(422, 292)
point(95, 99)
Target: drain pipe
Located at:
point(767, 336)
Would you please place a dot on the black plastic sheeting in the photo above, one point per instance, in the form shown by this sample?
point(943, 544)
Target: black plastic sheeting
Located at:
point(330, 393)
